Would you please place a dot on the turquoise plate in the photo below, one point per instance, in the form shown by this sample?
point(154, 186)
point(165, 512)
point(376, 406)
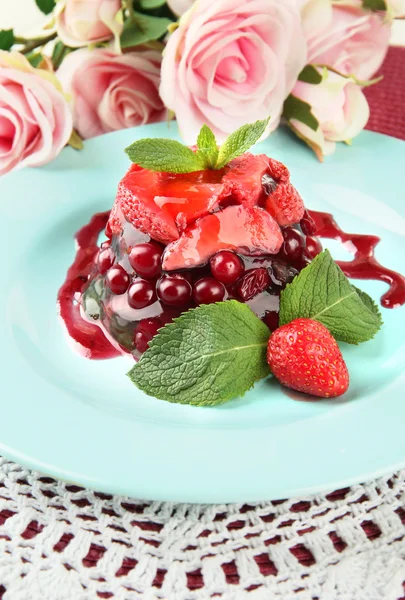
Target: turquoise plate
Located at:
point(84, 421)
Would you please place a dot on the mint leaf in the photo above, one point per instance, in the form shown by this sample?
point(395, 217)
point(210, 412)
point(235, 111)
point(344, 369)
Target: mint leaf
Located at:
point(310, 74)
point(294, 108)
point(6, 39)
point(207, 147)
point(45, 6)
point(207, 356)
point(144, 28)
point(159, 154)
point(369, 302)
point(322, 292)
point(240, 141)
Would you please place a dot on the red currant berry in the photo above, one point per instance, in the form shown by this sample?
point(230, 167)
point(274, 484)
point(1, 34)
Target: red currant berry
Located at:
point(117, 279)
point(174, 290)
point(314, 246)
point(144, 332)
point(141, 293)
point(226, 267)
point(294, 243)
point(105, 260)
point(207, 290)
point(146, 260)
point(307, 224)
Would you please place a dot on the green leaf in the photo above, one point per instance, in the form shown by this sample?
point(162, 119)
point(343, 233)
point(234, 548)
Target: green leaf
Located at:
point(310, 74)
point(207, 147)
point(375, 5)
point(151, 4)
point(142, 29)
point(158, 154)
point(240, 141)
point(34, 58)
point(45, 6)
point(6, 39)
point(322, 292)
point(294, 108)
point(207, 356)
point(59, 53)
point(369, 302)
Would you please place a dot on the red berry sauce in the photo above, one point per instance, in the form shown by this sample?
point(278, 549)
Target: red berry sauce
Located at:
point(116, 297)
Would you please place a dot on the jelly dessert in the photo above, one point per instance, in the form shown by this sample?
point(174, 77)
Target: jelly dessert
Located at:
point(178, 240)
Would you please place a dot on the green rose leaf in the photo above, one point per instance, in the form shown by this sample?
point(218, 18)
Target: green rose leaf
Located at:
point(310, 74)
point(6, 39)
point(144, 28)
point(45, 6)
point(322, 292)
point(294, 108)
point(207, 356)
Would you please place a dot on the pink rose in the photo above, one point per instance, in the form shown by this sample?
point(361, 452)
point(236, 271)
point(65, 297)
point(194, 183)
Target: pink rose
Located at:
point(112, 91)
point(35, 120)
point(231, 62)
point(83, 22)
point(339, 106)
point(179, 6)
point(351, 40)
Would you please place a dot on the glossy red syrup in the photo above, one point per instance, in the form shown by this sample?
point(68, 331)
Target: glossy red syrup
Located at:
point(364, 264)
point(92, 342)
point(88, 338)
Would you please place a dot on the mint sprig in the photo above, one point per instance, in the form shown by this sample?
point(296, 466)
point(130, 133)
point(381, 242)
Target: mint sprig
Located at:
point(207, 356)
point(170, 156)
point(322, 292)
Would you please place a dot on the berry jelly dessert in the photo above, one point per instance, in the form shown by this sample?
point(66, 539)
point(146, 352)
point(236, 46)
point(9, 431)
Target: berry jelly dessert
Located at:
point(179, 240)
point(175, 241)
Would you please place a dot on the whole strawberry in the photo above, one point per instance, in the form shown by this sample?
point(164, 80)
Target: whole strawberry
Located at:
point(304, 356)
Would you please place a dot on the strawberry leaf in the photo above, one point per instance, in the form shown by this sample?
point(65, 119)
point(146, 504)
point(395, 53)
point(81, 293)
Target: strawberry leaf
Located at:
point(240, 141)
point(159, 154)
point(207, 356)
point(322, 292)
point(207, 147)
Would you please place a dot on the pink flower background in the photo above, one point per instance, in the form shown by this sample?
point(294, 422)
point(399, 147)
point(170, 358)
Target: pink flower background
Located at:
point(224, 63)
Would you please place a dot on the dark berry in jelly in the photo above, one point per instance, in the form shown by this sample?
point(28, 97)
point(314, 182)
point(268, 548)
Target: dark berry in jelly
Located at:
point(141, 293)
point(146, 260)
point(281, 273)
point(144, 332)
point(174, 290)
point(313, 246)
point(252, 283)
point(105, 260)
point(271, 319)
point(208, 290)
point(117, 279)
point(226, 267)
point(307, 224)
point(294, 243)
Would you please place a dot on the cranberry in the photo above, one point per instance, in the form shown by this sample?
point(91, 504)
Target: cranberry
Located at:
point(117, 279)
point(141, 293)
point(252, 283)
point(226, 266)
point(105, 260)
point(294, 243)
point(144, 332)
point(208, 290)
point(308, 224)
point(271, 319)
point(174, 290)
point(281, 273)
point(146, 260)
point(314, 246)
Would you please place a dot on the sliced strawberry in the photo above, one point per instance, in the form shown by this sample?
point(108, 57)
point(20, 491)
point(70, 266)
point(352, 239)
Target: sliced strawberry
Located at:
point(283, 201)
point(248, 230)
point(162, 204)
point(243, 179)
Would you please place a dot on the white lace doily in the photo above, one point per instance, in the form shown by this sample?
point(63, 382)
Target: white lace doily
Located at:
point(62, 542)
